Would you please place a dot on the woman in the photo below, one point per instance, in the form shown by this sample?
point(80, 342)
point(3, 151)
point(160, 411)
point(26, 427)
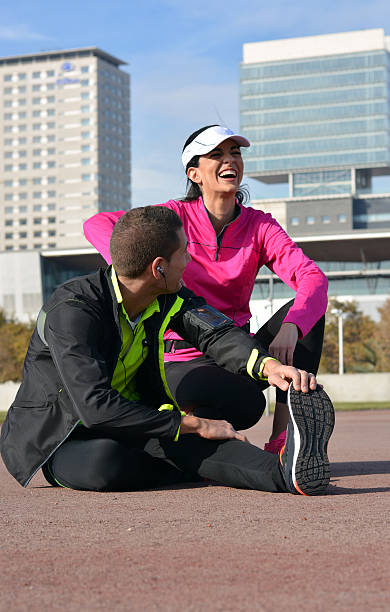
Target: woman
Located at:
point(228, 243)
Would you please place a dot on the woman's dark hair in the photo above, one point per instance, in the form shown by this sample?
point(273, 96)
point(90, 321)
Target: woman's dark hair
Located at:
point(193, 191)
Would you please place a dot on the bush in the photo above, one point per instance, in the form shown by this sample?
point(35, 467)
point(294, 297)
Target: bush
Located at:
point(14, 339)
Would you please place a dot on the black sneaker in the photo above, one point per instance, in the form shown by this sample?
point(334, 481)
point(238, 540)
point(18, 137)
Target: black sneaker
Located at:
point(304, 458)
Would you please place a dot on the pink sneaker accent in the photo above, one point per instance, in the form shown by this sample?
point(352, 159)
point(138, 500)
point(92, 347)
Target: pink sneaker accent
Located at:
point(275, 446)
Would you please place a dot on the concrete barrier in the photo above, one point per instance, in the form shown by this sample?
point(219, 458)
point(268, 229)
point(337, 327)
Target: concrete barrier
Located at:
point(373, 387)
point(7, 394)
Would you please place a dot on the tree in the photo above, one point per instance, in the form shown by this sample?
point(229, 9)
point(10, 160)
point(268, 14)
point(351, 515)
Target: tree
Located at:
point(14, 339)
point(382, 338)
point(360, 348)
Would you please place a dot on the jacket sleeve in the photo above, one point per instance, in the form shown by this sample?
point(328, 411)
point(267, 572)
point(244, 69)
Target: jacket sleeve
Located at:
point(281, 255)
point(73, 337)
point(215, 335)
point(98, 230)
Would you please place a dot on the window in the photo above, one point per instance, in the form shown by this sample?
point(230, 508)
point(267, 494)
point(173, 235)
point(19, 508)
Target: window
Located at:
point(51, 194)
point(23, 209)
point(8, 210)
point(22, 76)
point(22, 196)
point(51, 138)
point(23, 221)
point(22, 234)
point(22, 153)
point(51, 164)
point(51, 151)
point(37, 194)
point(7, 91)
point(51, 179)
point(342, 218)
point(37, 220)
point(50, 73)
point(8, 183)
point(22, 128)
point(51, 125)
point(85, 95)
point(50, 86)
point(36, 126)
point(7, 116)
point(84, 121)
point(37, 181)
point(84, 82)
point(86, 161)
point(37, 234)
point(51, 112)
point(7, 142)
point(36, 139)
point(8, 77)
point(8, 154)
point(51, 206)
point(23, 247)
point(36, 75)
point(50, 99)
point(22, 140)
point(8, 196)
point(37, 246)
point(22, 181)
point(36, 113)
point(37, 151)
point(51, 232)
point(7, 129)
point(84, 68)
point(36, 165)
point(22, 89)
point(9, 247)
point(51, 219)
point(8, 168)
point(325, 219)
point(84, 135)
point(85, 148)
point(22, 166)
point(36, 100)
point(22, 115)
point(85, 108)
point(9, 222)
point(8, 235)
point(7, 103)
point(310, 220)
point(36, 87)
point(22, 101)
point(85, 177)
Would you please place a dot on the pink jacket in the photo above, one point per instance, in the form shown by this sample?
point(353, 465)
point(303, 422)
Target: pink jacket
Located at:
point(225, 277)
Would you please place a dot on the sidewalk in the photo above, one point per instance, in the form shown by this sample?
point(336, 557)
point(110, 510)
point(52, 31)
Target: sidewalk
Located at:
point(207, 548)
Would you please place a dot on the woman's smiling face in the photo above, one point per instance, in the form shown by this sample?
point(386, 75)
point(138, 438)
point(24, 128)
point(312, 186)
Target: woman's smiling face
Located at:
point(221, 170)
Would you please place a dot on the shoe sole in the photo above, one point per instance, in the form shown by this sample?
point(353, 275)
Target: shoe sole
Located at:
point(312, 420)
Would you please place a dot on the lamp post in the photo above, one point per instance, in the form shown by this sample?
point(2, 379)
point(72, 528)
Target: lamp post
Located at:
point(340, 315)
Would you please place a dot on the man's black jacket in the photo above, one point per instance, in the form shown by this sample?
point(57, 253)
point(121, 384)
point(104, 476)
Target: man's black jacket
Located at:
point(71, 359)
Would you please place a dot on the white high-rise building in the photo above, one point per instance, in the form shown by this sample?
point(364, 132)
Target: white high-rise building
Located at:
point(64, 145)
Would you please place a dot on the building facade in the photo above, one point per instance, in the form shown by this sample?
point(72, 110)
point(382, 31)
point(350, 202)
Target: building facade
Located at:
point(64, 146)
point(317, 113)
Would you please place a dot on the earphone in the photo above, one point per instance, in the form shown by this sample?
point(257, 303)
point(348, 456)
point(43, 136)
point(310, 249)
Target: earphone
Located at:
point(159, 269)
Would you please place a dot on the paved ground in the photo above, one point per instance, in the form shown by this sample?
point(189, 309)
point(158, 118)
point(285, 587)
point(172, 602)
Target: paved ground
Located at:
point(207, 548)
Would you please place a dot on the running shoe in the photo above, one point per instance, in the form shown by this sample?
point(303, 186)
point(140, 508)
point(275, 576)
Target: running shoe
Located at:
point(304, 457)
point(275, 446)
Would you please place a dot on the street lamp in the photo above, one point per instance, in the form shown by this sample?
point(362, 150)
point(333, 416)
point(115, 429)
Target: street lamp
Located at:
point(340, 315)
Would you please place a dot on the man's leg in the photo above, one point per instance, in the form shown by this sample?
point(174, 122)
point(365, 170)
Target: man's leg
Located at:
point(206, 390)
point(230, 462)
point(89, 461)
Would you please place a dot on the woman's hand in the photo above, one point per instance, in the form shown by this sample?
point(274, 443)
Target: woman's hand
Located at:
point(283, 345)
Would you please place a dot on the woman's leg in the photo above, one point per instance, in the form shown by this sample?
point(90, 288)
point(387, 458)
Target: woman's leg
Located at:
point(201, 387)
point(89, 461)
point(307, 357)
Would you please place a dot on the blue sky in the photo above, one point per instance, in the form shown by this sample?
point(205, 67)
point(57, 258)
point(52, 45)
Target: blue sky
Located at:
point(183, 59)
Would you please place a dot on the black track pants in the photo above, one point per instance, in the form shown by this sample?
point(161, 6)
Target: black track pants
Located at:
point(95, 461)
point(209, 391)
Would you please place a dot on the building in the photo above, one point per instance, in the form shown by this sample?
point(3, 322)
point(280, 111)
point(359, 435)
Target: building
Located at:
point(317, 112)
point(64, 146)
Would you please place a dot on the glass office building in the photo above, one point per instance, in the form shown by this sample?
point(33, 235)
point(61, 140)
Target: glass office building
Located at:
point(317, 113)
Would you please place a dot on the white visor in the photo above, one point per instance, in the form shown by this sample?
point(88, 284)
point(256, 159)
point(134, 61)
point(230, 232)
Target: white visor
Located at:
point(209, 139)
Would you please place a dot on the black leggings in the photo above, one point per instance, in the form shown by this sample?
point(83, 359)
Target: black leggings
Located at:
point(208, 391)
point(96, 461)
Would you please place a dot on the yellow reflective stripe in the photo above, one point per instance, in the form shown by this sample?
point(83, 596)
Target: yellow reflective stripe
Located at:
point(251, 362)
point(115, 284)
point(260, 375)
point(175, 308)
point(169, 407)
point(176, 438)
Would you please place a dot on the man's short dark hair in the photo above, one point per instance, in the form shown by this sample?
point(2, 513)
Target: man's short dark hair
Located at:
point(141, 235)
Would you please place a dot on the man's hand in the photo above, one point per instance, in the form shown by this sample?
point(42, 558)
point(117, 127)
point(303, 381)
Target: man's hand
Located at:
point(280, 375)
point(210, 429)
point(283, 345)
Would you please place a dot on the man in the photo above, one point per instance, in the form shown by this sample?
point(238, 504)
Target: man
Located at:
point(94, 410)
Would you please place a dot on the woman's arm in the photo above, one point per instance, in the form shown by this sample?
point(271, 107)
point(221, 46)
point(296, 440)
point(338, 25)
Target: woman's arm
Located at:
point(293, 267)
point(98, 230)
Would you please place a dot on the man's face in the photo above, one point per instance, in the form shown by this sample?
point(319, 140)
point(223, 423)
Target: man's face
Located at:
point(174, 269)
